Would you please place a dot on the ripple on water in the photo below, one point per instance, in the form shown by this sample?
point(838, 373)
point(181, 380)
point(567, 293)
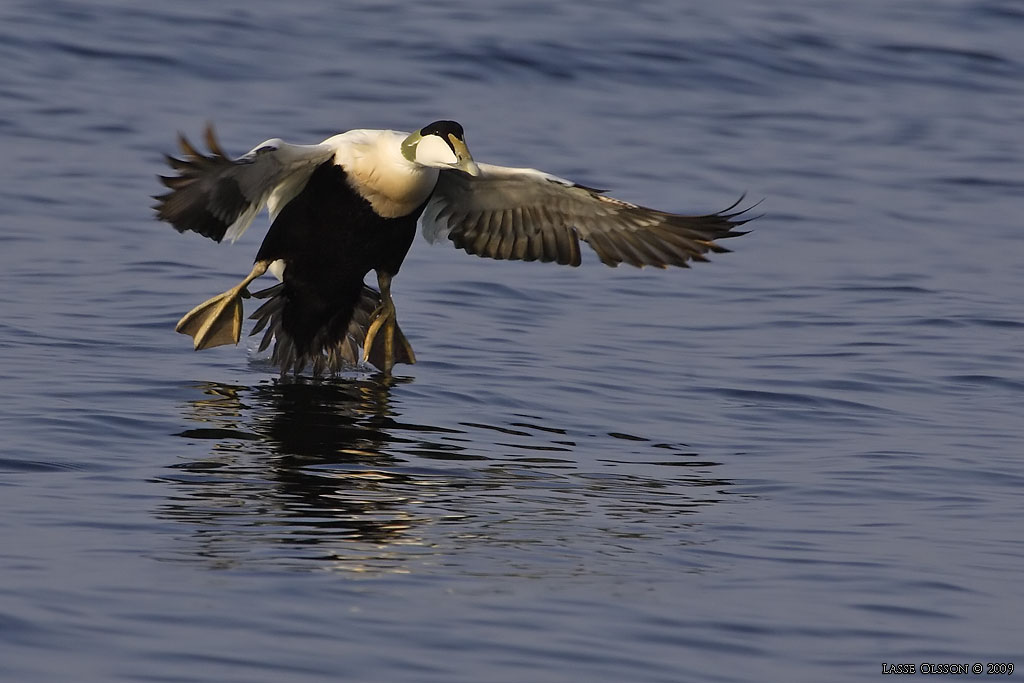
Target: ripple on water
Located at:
point(331, 471)
point(791, 460)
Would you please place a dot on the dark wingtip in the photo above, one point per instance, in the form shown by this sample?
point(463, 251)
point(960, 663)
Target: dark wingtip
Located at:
point(732, 206)
point(210, 136)
point(724, 213)
point(733, 218)
point(186, 146)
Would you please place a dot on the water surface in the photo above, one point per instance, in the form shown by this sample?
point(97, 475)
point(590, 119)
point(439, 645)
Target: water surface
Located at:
point(795, 463)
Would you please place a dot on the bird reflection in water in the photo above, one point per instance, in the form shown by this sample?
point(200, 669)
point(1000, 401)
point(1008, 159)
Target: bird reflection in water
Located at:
point(315, 466)
point(326, 474)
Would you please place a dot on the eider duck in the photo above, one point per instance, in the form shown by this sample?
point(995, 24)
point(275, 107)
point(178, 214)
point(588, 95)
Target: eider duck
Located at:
point(351, 204)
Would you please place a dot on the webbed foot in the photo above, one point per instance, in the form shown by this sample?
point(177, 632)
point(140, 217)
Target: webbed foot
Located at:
point(385, 344)
point(218, 321)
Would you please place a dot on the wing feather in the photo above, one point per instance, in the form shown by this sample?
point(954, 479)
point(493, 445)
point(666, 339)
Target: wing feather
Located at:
point(218, 197)
point(521, 250)
point(508, 238)
point(526, 214)
point(549, 244)
point(493, 245)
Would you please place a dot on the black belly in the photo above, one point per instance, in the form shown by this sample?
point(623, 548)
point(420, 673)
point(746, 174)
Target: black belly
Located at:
point(329, 238)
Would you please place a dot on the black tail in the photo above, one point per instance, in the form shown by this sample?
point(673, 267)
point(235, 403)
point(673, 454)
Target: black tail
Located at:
point(307, 332)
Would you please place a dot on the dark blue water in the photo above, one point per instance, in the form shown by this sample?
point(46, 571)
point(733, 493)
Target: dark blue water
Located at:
point(792, 464)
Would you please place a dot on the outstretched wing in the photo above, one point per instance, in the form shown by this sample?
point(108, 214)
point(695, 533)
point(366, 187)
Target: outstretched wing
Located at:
point(526, 214)
point(218, 197)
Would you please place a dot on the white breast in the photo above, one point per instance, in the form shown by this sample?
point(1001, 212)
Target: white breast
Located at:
point(376, 169)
